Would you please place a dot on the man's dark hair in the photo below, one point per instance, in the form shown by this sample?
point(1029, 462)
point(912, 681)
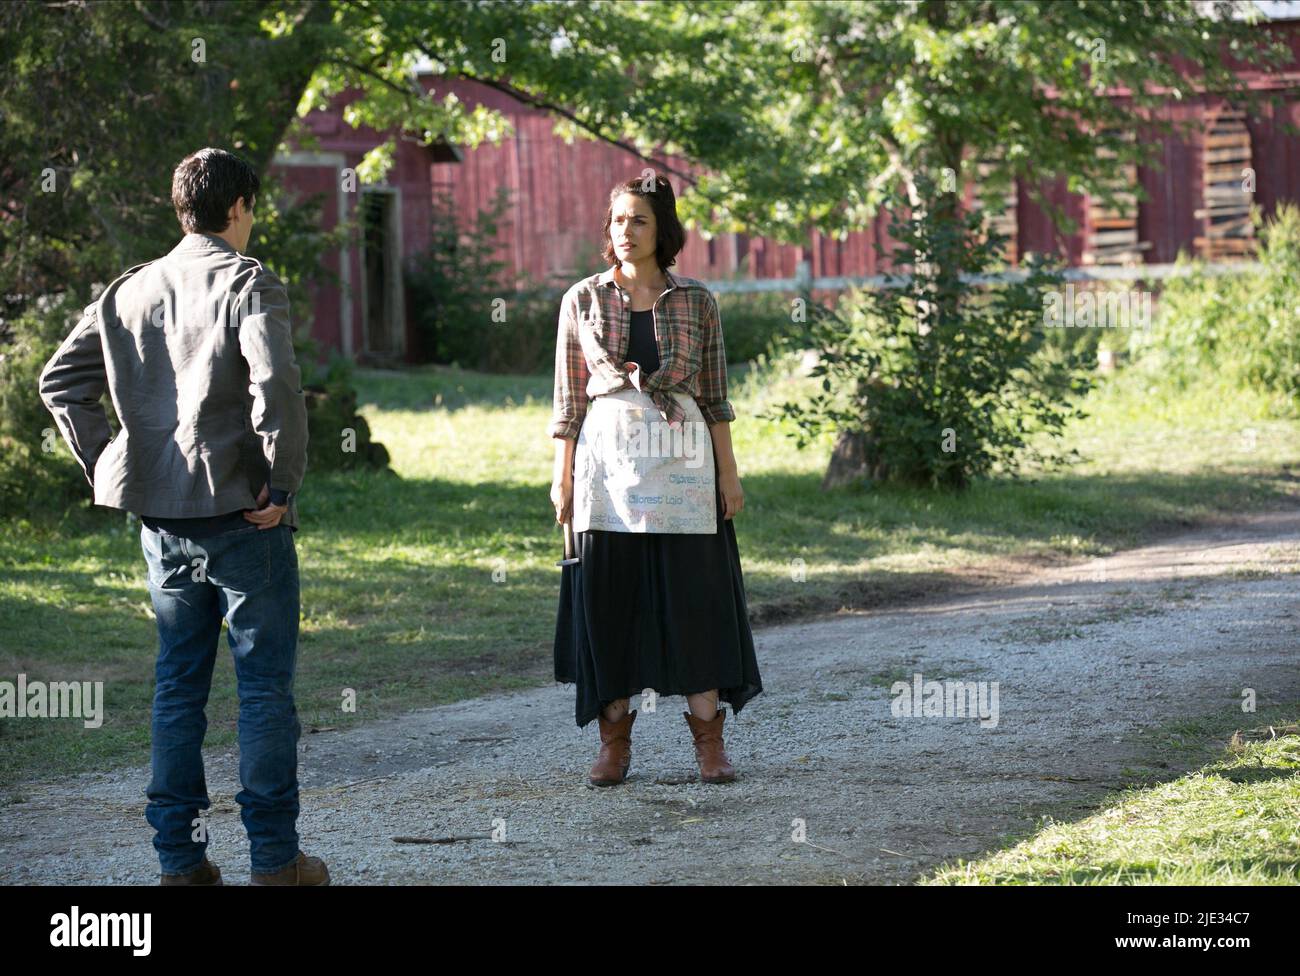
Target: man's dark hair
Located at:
point(670, 236)
point(205, 186)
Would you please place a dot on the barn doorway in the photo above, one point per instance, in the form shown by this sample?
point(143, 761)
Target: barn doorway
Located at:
point(383, 318)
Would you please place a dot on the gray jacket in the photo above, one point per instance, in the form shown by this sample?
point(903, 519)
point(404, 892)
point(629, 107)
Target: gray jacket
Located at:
point(196, 351)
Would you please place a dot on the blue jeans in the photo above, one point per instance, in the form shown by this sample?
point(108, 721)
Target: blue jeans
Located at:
point(249, 576)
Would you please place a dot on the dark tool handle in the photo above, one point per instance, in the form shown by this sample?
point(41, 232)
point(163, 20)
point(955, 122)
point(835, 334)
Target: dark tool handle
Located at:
point(570, 554)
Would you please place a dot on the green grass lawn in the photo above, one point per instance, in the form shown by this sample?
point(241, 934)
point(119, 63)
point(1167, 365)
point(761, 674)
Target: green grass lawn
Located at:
point(437, 581)
point(1234, 821)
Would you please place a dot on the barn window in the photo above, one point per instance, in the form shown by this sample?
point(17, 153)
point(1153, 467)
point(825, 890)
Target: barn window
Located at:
point(1227, 188)
point(1112, 235)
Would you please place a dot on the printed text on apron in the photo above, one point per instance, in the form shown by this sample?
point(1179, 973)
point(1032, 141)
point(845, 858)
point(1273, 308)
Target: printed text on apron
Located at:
point(635, 473)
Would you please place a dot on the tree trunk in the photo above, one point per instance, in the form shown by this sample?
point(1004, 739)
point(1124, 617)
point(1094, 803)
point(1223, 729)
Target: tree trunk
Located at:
point(848, 460)
point(855, 456)
point(303, 46)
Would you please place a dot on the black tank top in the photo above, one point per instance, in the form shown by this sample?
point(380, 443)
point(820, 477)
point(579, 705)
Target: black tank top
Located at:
point(641, 346)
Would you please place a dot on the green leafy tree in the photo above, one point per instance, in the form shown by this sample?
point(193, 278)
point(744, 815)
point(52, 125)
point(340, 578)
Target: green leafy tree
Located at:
point(100, 101)
point(802, 115)
point(791, 115)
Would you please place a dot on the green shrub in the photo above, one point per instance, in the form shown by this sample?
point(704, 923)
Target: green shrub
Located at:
point(940, 381)
point(752, 321)
point(1243, 328)
point(37, 471)
point(455, 285)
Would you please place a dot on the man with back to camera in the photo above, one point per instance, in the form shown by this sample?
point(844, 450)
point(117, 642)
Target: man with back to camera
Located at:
point(196, 351)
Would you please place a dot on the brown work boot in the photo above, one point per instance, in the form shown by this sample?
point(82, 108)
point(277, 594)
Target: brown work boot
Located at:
point(303, 871)
point(615, 754)
point(709, 751)
point(206, 873)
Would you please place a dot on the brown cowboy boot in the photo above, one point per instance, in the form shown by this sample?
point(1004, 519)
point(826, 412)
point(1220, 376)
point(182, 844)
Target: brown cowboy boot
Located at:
point(615, 754)
point(709, 751)
point(303, 871)
point(206, 873)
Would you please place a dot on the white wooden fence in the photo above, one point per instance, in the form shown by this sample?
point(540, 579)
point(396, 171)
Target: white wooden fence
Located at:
point(804, 282)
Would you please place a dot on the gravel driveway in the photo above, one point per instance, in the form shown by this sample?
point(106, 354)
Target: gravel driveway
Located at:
point(834, 786)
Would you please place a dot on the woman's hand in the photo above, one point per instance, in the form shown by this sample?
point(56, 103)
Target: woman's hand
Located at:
point(562, 497)
point(562, 479)
point(733, 497)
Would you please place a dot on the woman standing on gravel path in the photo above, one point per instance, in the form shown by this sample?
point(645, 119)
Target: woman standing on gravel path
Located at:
point(645, 472)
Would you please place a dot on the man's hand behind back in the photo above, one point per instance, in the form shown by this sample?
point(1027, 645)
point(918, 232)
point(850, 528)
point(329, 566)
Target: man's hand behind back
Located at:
point(266, 515)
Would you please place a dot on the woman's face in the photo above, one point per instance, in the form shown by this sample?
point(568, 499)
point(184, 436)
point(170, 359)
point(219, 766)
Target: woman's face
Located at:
point(633, 223)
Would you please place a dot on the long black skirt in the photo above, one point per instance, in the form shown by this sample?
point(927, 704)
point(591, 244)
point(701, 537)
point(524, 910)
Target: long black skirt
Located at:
point(655, 610)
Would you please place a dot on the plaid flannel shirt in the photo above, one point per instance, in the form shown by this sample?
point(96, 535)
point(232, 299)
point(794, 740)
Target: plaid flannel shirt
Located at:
point(591, 346)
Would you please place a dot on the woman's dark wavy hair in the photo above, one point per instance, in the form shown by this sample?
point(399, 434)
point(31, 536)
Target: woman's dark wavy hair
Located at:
point(671, 236)
point(205, 186)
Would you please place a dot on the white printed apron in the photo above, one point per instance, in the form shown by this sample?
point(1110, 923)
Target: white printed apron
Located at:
point(633, 473)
